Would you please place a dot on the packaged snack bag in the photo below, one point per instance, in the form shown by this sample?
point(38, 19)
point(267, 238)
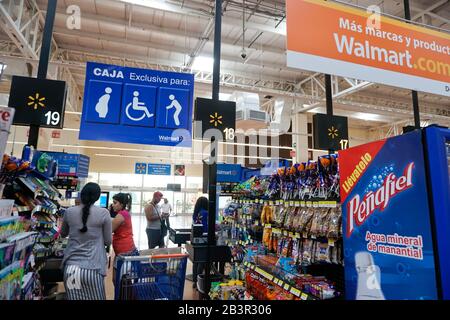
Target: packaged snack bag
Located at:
point(334, 224)
point(297, 219)
point(266, 236)
point(295, 250)
point(280, 218)
point(287, 217)
point(275, 213)
point(307, 251)
point(306, 219)
point(315, 224)
point(281, 242)
point(275, 243)
point(323, 253)
point(286, 246)
point(324, 222)
point(291, 218)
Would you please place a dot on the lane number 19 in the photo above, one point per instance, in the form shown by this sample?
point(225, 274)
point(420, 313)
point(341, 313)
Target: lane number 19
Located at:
point(53, 118)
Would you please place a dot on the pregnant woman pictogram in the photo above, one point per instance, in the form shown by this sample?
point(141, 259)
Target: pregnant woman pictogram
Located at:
point(102, 105)
point(138, 106)
point(175, 104)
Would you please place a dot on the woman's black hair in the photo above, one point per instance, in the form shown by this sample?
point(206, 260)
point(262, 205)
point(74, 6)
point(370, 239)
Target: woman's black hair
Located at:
point(89, 195)
point(201, 204)
point(124, 199)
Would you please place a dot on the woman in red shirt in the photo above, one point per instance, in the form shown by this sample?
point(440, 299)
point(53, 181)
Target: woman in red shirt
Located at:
point(122, 228)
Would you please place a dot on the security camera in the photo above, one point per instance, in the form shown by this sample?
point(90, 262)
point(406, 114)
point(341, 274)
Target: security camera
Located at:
point(243, 54)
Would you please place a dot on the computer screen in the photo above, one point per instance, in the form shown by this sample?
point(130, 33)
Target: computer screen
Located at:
point(103, 200)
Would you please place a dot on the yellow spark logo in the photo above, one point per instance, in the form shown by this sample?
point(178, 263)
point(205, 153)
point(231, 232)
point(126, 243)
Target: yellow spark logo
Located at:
point(141, 168)
point(333, 132)
point(36, 101)
point(216, 119)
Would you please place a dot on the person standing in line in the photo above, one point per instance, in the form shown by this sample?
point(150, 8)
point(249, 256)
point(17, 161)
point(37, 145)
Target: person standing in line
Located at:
point(166, 210)
point(153, 215)
point(200, 215)
point(123, 242)
point(89, 229)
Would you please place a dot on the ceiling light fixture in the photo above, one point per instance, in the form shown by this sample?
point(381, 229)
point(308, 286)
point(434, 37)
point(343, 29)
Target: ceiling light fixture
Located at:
point(155, 4)
point(202, 63)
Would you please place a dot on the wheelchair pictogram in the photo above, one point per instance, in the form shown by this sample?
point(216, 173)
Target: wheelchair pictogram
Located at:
point(137, 106)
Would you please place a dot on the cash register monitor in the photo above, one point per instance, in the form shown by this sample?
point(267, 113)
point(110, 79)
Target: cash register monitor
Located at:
point(103, 201)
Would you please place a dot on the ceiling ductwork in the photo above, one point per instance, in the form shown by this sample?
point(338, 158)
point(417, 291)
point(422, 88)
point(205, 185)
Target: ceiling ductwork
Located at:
point(281, 120)
point(248, 111)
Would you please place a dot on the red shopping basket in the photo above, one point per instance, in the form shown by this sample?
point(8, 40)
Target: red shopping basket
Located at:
point(157, 274)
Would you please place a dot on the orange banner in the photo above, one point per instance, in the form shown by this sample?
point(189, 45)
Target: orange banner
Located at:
point(332, 38)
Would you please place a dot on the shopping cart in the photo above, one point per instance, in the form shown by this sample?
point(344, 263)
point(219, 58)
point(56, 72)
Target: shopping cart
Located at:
point(156, 274)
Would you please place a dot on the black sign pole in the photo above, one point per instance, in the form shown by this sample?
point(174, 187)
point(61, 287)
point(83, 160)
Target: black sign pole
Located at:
point(43, 61)
point(214, 147)
point(415, 96)
point(329, 97)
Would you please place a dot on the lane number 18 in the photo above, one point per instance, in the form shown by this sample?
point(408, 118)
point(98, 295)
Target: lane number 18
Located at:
point(229, 133)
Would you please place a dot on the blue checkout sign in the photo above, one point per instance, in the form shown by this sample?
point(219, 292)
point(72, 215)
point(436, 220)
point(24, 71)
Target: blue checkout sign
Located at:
point(137, 106)
point(229, 172)
point(159, 169)
point(140, 168)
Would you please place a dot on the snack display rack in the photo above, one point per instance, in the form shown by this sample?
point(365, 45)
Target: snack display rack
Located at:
point(32, 230)
point(285, 232)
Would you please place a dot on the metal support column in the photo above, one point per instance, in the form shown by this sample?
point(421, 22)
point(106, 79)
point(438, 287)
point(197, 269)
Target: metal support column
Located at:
point(415, 96)
point(329, 97)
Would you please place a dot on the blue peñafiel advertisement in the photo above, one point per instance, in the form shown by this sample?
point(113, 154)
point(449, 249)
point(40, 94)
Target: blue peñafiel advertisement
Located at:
point(134, 105)
point(388, 245)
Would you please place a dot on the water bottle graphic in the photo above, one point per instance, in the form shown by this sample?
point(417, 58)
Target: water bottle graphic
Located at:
point(368, 278)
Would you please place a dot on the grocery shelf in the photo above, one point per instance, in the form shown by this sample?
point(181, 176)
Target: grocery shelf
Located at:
point(279, 282)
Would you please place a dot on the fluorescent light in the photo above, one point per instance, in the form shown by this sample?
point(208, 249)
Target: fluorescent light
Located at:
point(202, 63)
point(3, 66)
point(224, 96)
point(367, 116)
point(155, 4)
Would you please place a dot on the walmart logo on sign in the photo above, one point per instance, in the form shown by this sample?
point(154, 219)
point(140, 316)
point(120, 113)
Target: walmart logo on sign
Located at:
point(137, 106)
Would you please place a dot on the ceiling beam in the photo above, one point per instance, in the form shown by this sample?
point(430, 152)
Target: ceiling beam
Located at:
point(429, 9)
point(204, 14)
point(167, 48)
point(147, 27)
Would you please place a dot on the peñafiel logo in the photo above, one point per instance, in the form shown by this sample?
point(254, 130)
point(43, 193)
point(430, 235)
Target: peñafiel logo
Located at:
point(359, 211)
